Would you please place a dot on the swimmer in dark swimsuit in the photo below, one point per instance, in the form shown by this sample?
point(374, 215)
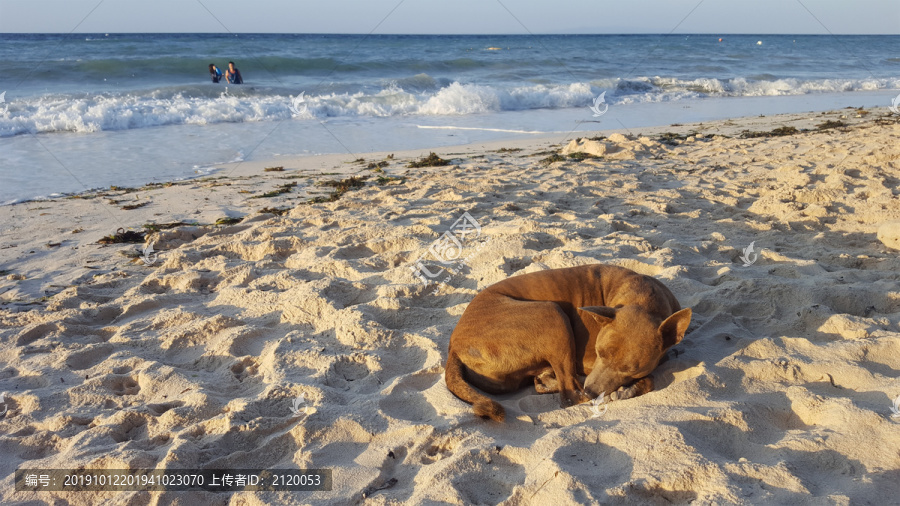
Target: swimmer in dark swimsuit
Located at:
point(214, 73)
point(233, 75)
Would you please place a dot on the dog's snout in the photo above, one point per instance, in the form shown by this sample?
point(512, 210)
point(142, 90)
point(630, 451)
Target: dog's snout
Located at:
point(602, 381)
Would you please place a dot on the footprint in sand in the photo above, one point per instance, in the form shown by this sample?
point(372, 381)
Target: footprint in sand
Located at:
point(406, 400)
point(244, 368)
point(491, 477)
point(160, 408)
point(89, 357)
point(436, 452)
point(30, 335)
point(346, 370)
point(125, 386)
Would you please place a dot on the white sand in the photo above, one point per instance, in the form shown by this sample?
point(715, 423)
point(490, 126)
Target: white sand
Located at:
point(780, 392)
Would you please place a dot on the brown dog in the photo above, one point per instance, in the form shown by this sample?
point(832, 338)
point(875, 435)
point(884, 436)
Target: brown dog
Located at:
point(606, 322)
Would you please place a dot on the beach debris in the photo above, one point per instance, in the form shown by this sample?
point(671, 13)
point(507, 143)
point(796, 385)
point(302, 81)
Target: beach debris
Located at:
point(371, 489)
point(555, 157)
point(123, 236)
point(377, 166)
point(889, 234)
point(274, 210)
point(829, 124)
point(831, 380)
point(279, 190)
point(150, 186)
point(582, 156)
point(432, 160)
point(777, 132)
point(383, 180)
point(274, 169)
point(123, 189)
point(3, 403)
point(129, 207)
point(672, 138)
point(340, 188)
point(156, 227)
point(345, 184)
point(229, 220)
point(895, 409)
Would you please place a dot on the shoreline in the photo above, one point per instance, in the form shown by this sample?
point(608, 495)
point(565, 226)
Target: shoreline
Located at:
point(234, 190)
point(189, 146)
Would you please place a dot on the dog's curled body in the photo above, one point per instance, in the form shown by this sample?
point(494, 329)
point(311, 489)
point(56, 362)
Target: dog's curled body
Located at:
point(606, 322)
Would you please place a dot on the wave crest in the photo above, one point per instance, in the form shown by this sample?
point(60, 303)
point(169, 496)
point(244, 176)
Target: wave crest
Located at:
point(417, 95)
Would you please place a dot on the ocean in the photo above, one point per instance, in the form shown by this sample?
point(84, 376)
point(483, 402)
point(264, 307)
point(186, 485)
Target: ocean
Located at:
point(83, 111)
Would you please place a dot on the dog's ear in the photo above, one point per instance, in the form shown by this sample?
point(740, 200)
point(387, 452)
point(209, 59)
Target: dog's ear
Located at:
point(674, 327)
point(600, 314)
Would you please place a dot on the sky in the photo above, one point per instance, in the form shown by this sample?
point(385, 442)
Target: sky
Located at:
point(453, 16)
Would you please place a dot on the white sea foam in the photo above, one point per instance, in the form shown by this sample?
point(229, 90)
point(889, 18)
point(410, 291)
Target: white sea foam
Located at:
point(151, 108)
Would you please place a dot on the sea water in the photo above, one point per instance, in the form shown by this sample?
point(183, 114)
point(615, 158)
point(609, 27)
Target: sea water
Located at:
point(85, 111)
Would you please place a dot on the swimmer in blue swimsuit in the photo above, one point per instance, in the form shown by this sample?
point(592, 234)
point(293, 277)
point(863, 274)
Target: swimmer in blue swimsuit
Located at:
point(214, 73)
point(233, 75)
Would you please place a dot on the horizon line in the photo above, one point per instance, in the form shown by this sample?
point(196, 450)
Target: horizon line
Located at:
point(455, 34)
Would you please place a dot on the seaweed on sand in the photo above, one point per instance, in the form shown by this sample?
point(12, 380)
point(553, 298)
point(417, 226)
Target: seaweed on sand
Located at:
point(340, 188)
point(432, 160)
point(228, 220)
point(555, 157)
point(279, 190)
point(777, 132)
point(123, 236)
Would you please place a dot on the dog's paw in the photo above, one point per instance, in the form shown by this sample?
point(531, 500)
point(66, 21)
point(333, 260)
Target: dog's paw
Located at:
point(639, 387)
point(545, 382)
point(574, 397)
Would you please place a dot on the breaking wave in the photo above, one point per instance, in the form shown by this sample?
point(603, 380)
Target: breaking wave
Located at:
point(416, 95)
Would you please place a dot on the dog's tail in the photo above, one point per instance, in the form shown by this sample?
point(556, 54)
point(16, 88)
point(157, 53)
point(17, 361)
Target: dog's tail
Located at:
point(484, 406)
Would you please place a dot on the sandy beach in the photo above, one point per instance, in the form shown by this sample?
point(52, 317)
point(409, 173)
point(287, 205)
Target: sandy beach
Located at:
point(296, 334)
